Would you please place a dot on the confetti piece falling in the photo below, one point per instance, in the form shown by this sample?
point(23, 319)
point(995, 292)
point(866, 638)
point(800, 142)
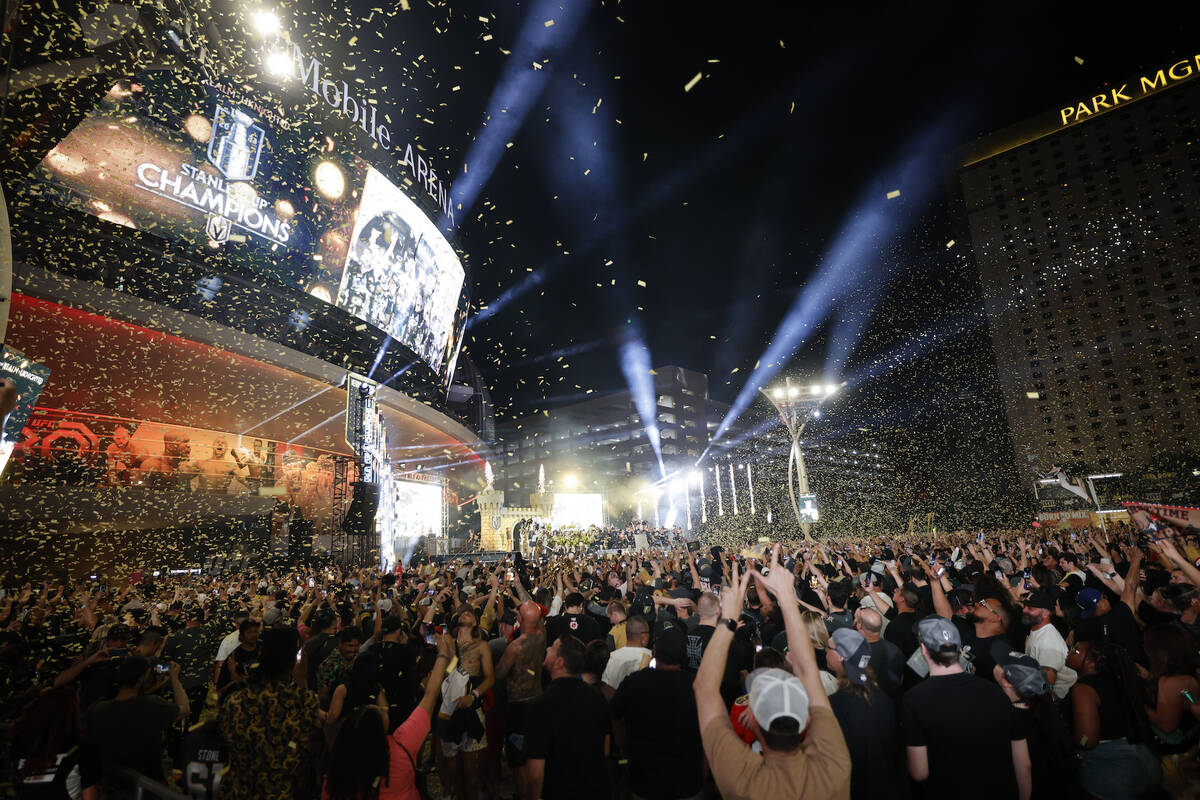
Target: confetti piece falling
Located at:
point(893, 194)
point(692, 83)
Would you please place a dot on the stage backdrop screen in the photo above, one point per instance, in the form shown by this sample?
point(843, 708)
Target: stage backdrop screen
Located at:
point(216, 168)
point(415, 509)
point(578, 510)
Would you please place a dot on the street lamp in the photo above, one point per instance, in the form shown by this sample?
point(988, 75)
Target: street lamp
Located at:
point(796, 407)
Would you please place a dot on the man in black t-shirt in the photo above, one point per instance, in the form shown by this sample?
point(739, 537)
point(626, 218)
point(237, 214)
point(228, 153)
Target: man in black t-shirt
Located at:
point(953, 720)
point(128, 730)
point(708, 609)
point(886, 659)
point(97, 673)
point(657, 709)
point(574, 621)
point(990, 620)
point(838, 597)
point(194, 649)
point(236, 668)
point(567, 730)
point(900, 626)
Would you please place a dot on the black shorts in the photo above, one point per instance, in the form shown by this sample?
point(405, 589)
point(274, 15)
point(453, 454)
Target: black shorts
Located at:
point(514, 733)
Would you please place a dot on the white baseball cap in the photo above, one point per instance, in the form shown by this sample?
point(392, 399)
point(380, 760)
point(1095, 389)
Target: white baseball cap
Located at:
point(776, 694)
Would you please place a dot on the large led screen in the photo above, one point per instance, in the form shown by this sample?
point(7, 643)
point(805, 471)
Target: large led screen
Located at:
point(227, 171)
point(578, 510)
point(401, 274)
point(409, 510)
point(808, 508)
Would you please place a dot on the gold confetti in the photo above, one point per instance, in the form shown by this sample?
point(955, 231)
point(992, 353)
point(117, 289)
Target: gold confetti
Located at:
point(690, 84)
point(893, 194)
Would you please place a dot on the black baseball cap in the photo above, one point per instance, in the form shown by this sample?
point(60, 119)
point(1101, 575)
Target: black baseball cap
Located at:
point(1040, 598)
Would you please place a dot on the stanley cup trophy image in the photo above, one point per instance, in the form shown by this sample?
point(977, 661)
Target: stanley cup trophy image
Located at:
point(236, 144)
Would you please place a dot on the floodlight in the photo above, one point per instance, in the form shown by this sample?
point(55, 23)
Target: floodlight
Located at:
point(278, 63)
point(266, 23)
point(329, 180)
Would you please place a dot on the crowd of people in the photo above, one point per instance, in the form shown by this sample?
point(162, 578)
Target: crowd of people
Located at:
point(595, 539)
point(1004, 664)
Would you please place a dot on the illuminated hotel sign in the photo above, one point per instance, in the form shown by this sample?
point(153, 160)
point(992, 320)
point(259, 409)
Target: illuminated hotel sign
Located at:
point(1051, 122)
point(1145, 84)
point(336, 95)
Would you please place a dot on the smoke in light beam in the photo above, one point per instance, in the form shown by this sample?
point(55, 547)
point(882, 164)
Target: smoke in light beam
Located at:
point(844, 268)
point(516, 91)
point(635, 365)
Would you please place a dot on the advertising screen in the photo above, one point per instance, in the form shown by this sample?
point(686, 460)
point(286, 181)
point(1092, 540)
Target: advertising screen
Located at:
point(224, 170)
point(412, 510)
point(578, 510)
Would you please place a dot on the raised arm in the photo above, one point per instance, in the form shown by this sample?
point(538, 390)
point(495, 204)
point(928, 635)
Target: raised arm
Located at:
point(707, 685)
point(800, 650)
point(941, 605)
point(433, 684)
point(1132, 579)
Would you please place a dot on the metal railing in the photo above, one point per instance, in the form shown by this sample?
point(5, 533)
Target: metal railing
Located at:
point(142, 787)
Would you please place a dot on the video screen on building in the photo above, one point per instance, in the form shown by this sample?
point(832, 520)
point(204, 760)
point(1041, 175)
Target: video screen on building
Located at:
point(808, 507)
point(410, 510)
point(577, 510)
point(225, 170)
point(400, 273)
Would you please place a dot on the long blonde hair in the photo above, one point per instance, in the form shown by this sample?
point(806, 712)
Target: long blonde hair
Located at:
point(817, 632)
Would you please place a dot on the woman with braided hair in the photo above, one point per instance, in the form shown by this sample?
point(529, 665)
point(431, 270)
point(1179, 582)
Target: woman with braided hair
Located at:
point(1109, 725)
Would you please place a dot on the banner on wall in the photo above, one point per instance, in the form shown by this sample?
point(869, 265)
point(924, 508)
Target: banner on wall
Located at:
point(1185, 518)
point(65, 448)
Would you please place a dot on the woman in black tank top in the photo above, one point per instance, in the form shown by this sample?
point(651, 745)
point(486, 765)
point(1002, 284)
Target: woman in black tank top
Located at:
point(1109, 724)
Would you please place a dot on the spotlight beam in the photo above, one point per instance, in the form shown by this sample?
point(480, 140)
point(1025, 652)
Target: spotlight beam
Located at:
point(519, 87)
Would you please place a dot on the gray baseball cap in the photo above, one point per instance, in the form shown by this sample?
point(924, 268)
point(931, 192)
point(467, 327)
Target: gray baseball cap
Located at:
point(938, 633)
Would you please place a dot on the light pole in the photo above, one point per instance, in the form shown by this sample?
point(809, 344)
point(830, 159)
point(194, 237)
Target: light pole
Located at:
point(796, 406)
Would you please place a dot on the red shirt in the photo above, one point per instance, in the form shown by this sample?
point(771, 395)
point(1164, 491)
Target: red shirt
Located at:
point(401, 779)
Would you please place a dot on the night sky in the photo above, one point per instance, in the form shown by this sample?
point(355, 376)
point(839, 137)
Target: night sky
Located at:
point(750, 202)
point(727, 198)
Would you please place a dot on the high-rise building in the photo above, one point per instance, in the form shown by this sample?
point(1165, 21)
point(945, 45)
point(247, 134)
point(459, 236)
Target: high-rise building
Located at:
point(603, 444)
point(1084, 228)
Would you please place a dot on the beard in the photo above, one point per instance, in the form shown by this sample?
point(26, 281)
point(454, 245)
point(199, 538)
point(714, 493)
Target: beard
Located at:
point(1030, 619)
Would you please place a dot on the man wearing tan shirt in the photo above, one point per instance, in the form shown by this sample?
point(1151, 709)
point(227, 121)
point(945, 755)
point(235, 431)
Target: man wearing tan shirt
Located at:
point(803, 751)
